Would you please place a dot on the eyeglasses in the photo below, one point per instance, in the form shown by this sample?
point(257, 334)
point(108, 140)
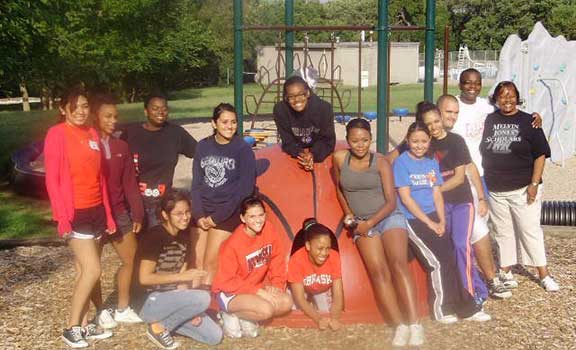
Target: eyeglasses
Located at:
point(298, 97)
point(181, 214)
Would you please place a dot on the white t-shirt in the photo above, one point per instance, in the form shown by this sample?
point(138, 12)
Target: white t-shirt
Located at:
point(470, 125)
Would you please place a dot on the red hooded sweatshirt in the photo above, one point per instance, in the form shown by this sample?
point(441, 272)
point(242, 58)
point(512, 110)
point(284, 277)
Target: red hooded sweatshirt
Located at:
point(246, 264)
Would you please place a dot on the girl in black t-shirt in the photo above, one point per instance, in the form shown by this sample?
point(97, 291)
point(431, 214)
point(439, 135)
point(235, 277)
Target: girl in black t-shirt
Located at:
point(171, 307)
point(513, 157)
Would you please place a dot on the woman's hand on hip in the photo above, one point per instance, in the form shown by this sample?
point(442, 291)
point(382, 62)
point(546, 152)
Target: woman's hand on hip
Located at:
point(136, 227)
point(531, 193)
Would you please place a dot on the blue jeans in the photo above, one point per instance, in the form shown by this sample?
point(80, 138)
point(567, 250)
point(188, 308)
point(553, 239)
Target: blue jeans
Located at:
point(173, 309)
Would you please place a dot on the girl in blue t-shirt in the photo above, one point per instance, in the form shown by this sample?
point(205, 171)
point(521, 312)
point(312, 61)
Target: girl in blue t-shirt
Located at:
point(417, 178)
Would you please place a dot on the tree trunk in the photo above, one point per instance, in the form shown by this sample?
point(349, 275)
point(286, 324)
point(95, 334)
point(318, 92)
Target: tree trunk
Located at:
point(133, 95)
point(45, 99)
point(25, 97)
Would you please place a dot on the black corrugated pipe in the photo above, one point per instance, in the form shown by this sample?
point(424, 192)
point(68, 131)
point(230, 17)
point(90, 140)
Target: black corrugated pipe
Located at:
point(558, 213)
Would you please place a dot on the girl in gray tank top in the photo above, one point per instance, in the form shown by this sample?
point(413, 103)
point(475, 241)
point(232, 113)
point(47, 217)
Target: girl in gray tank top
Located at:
point(362, 189)
point(365, 187)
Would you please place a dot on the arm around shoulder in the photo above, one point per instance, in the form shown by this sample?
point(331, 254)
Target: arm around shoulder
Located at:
point(188, 143)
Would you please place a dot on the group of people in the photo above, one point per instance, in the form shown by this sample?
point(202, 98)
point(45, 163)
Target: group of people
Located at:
point(215, 242)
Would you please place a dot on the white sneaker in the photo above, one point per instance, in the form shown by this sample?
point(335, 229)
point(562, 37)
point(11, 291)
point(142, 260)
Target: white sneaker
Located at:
point(127, 316)
point(480, 316)
point(448, 319)
point(105, 319)
point(401, 335)
point(249, 329)
point(508, 279)
point(231, 325)
point(549, 284)
point(416, 335)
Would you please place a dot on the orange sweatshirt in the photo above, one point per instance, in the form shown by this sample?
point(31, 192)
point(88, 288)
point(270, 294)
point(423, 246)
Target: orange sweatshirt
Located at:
point(246, 264)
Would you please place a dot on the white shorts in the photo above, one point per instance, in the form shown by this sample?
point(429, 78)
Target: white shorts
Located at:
point(480, 223)
point(224, 300)
point(322, 301)
point(84, 236)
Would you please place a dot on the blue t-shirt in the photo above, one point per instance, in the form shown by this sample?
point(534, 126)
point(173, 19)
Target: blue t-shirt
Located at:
point(421, 175)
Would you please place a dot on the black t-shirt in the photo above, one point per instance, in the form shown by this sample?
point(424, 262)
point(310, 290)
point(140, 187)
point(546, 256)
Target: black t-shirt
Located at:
point(312, 128)
point(169, 252)
point(156, 155)
point(509, 147)
point(452, 152)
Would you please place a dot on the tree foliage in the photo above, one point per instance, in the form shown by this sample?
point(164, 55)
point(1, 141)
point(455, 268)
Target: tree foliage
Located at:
point(130, 47)
point(133, 46)
point(485, 24)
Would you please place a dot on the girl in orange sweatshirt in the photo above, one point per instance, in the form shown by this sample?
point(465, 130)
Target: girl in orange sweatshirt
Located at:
point(251, 278)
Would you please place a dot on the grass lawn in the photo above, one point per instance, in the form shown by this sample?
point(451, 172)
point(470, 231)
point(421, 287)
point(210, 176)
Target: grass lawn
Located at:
point(22, 217)
point(20, 128)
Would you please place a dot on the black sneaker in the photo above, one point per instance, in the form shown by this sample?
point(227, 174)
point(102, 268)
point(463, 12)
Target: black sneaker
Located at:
point(498, 290)
point(92, 332)
point(163, 340)
point(73, 337)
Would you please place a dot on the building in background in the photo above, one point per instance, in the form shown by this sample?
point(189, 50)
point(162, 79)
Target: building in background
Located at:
point(404, 58)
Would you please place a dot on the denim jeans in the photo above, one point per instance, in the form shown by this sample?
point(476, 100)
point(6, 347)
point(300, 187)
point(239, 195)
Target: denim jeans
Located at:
point(173, 309)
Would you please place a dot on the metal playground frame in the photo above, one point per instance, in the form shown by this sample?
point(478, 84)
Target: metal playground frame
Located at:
point(383, 30)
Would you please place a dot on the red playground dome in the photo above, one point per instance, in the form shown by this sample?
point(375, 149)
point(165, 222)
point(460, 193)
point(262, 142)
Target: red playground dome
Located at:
point(292, 195)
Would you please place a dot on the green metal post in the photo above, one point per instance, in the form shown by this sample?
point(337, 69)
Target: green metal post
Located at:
point(238, 66)
point(289, 37)
point(429, 50)
point(383, 32)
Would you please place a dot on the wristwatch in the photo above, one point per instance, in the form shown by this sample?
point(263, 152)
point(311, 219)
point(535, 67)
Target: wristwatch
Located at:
point(535, 184)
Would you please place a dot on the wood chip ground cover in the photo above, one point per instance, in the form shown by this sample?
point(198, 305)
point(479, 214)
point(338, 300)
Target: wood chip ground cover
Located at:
point(36, 284)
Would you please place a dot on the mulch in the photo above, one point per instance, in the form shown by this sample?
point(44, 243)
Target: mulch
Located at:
point(36, 284)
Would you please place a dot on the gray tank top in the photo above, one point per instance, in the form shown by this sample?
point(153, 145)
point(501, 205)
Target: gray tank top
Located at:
point(362, 189)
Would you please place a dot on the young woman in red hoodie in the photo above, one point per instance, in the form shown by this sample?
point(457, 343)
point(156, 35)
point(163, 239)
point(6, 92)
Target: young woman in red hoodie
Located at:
point(126, 204)
point(79, 201)
point(251, 278)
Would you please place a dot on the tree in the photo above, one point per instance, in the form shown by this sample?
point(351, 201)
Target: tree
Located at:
point(562, 20)
point(130, 46)
point(485, 24)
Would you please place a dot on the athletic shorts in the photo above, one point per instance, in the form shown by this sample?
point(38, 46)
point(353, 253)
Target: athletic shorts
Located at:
point(231, 223)
point(396, 220)
point(123, 226)
point(224, 300)
point(89, 223)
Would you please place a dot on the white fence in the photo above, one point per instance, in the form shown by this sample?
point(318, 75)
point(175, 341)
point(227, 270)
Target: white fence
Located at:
point(18, 100)
point(485, 61)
